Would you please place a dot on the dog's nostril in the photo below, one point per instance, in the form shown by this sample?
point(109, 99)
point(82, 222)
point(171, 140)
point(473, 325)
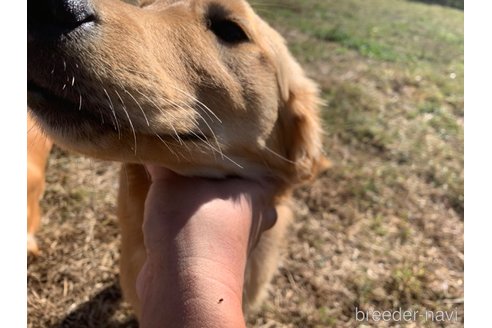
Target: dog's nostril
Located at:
point(64, 14)
point(71, 13)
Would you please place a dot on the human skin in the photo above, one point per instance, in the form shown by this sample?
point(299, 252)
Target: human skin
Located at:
point(198, 234)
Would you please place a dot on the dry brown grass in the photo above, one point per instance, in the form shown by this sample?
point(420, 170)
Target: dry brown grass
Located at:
point(341, 254)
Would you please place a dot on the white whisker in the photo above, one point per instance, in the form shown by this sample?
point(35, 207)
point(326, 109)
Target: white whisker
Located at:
point(141, 109)
point(197, 125)
point(224, 156)
point(213, 135)
point(117, 126)
point(202, 105)
point(278, 155)
point(129, 121)
point(182, 104)
point(160, 110)
point(80, 101)
point(165, 143)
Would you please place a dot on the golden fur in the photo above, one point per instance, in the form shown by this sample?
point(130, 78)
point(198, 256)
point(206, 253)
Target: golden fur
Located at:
point(38, 149)
point(155, 84)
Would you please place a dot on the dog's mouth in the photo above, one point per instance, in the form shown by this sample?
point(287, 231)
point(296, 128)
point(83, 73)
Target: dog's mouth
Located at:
point(65, 116)
point(54, 109)
point(183, 137)
point(36, 93)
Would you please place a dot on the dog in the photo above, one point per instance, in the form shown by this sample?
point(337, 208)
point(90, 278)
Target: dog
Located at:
point(202, 87)
point(38, 149)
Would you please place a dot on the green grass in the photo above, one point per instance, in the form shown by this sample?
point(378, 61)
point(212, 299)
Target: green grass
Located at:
point(394, 30)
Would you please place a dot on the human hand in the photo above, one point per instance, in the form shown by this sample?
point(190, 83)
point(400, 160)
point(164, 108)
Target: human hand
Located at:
point(198, 233)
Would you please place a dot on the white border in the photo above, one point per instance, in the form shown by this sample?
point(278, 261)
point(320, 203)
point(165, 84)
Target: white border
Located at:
point(478, 164)
point(13, 303)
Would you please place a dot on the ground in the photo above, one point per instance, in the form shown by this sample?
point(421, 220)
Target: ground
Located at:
point(382, 230)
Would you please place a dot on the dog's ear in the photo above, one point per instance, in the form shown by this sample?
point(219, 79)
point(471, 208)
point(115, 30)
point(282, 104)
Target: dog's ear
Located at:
point(299, 118)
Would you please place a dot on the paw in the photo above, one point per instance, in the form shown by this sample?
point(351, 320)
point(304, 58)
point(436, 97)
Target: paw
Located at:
point(32, 246)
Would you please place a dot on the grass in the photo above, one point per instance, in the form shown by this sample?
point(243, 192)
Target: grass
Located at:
point(379, 29)
point(383, 229)
point(391, 73)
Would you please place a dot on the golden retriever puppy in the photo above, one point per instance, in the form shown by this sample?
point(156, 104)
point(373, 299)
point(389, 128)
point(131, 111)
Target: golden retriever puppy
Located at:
point(202, 87)
point(38, 149)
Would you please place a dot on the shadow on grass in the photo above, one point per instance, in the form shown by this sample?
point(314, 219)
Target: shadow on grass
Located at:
point(98, 312)
point(458, 4)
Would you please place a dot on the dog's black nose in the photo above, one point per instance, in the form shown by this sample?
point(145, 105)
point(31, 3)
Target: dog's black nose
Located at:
point(71, 12)
point(61, 15)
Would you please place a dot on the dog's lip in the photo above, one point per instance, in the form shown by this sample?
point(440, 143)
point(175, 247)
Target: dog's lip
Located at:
point(46, 94)
point(69, 107)
point(184, 137)
point(50, 104)
point(34, 87)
